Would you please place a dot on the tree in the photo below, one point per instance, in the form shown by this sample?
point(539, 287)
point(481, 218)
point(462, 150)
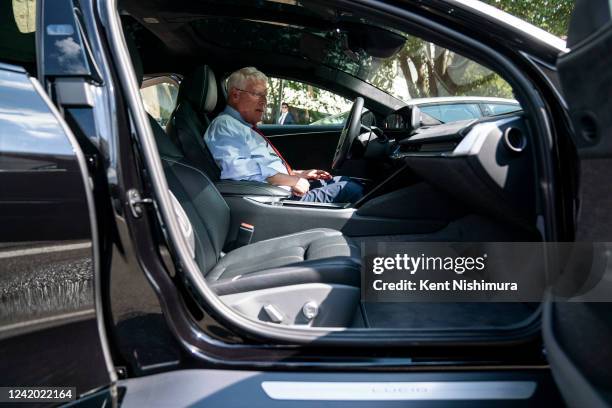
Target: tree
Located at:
point(419, 69)
point(430, 70)
point(550, 15)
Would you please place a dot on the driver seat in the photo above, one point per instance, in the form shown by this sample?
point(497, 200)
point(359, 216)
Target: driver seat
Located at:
point(197, 98)
point(320, 256)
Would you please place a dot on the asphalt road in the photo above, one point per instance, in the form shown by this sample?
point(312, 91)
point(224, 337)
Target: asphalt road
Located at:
point(43, 279)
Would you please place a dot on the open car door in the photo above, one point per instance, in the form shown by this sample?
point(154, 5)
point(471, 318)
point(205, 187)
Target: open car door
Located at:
point(578, 335)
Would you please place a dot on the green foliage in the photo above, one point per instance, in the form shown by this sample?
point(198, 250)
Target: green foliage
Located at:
point(550, 15)
point(420, 69)
point(428, 70)
point(307, 103)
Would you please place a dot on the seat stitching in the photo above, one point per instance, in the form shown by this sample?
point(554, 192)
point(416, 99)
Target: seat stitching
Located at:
point(268, 267)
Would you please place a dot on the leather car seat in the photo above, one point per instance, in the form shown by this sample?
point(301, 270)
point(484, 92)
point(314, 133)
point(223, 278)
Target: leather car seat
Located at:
point(197, 97)
point(312, 256)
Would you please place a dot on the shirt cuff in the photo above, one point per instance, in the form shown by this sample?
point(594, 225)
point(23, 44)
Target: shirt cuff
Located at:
point(266, 172)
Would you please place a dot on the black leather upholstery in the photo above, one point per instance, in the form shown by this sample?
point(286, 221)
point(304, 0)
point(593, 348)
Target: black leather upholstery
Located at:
point(197, 97)
point(206, 209)
point(319, 255)
point(200, 89)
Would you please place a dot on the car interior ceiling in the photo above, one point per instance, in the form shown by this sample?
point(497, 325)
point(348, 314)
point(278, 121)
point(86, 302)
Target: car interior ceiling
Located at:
point(298, 251)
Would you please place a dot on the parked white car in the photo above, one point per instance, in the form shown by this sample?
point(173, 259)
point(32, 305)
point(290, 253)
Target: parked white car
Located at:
point(447, 108)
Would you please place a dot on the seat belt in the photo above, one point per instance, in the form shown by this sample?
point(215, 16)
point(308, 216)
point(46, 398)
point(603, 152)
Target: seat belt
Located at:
point(245, 234)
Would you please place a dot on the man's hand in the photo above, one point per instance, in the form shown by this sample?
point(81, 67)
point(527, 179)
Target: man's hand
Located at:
point(313, 174)
point(301, 187)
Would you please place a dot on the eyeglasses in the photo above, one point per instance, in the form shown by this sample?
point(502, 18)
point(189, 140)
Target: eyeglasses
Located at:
point(259, 95)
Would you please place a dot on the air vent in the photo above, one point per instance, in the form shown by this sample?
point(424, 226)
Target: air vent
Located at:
point(515, 140)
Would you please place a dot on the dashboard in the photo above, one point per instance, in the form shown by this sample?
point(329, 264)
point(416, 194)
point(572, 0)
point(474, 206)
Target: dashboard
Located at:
point(486, 163)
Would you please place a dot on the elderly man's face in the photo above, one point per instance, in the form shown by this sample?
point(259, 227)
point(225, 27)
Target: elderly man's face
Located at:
point(251, 101)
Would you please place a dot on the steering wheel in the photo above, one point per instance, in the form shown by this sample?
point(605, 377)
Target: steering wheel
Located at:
point(350, 131)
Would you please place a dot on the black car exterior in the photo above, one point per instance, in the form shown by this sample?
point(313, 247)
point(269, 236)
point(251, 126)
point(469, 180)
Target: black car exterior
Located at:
point(90, 297)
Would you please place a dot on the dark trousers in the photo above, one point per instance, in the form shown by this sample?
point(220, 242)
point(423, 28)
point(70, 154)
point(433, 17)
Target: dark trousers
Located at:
point(339, 189)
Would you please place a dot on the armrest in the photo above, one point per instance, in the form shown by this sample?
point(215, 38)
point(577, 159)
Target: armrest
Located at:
point(254, 188)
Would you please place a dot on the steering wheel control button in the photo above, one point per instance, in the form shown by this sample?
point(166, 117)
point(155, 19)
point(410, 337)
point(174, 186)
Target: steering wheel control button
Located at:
point(310, 310)
point(273, 313)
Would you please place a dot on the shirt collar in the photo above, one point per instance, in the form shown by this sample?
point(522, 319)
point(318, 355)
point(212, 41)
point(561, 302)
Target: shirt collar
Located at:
point(236, 115)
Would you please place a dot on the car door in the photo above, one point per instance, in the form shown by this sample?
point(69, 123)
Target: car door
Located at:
point(51, 332)
point(577, 335)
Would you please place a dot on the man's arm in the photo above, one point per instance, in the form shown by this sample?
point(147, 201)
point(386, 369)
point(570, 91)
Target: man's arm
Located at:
point(312, 174)
point(227, 142)
point(299, 186)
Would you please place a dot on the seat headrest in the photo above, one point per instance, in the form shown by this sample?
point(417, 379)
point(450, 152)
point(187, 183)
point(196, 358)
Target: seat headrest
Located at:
point(200, 89)
point(135, 57)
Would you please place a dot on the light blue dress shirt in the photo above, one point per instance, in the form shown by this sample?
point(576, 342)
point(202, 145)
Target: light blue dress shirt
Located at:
point(240, 152)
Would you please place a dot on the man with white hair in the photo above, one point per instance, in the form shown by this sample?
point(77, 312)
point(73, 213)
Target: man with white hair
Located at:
point(244, 153)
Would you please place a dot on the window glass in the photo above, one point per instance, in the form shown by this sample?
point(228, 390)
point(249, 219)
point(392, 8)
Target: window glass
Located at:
point(307, 104)
point(498, 109)
point(420, 69)
point(160, 100)
point(452, 112)
point(17, 26)
point(338, 119)
point(24, 12)
point(417, 69)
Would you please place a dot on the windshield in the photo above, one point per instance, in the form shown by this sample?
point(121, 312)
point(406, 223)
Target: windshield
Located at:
point(422, 69)
point(414, 69)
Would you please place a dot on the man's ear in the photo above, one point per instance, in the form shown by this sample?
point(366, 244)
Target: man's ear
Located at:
point(232, 94)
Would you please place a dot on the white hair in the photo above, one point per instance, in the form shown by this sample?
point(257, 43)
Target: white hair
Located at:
point(239, 79)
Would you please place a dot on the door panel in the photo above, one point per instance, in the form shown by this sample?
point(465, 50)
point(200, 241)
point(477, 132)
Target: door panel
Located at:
point(304, 146)
point(48, 329)
point(578, 335)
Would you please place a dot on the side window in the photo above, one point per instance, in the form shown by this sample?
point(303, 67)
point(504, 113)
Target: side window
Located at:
point(159, 95)
point(307, 104)
point(453, 112)
point(338, 119)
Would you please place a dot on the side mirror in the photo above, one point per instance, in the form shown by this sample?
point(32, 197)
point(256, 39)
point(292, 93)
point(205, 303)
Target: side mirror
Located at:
point(415, 118)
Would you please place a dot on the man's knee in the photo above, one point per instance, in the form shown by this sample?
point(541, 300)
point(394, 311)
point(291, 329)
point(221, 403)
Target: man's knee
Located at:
point(351, 191)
